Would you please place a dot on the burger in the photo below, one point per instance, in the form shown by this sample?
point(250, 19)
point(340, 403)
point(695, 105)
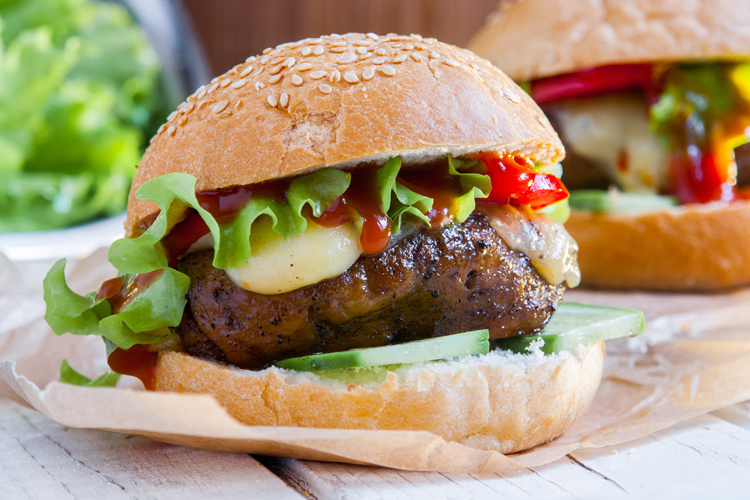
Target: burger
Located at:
point(333, 233)
point(652, 102)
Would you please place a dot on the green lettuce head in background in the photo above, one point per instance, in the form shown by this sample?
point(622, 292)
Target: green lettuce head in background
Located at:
point(80, 94)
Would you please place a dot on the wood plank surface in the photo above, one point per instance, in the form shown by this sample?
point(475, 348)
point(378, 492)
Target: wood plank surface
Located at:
point(41, 459)
point(706, 457)
point(232, 30)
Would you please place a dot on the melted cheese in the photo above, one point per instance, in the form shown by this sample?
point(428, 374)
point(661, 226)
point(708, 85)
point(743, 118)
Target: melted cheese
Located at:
point(552, 251)
point(280, 265)
point(613, 132)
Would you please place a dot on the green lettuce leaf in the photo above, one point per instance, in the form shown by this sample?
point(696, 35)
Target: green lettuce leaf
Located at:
point(141, 322)
point(80, 93)
point(69, 376)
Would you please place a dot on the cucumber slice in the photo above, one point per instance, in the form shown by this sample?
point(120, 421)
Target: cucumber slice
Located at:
point(574, 324)
point(613, 201)
point(450, 346)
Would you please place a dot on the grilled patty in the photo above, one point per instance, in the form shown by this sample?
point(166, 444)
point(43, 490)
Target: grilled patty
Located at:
point(430, 284)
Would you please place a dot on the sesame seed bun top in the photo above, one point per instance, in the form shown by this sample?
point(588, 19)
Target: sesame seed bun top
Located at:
point(337, 101)
point(531, 39)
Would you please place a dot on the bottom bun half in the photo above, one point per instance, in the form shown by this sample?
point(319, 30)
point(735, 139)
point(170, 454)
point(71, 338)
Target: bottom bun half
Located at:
point(691, 248)
point(498, 401)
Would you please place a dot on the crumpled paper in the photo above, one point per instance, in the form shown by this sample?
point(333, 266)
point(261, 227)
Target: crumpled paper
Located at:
point(694, 358)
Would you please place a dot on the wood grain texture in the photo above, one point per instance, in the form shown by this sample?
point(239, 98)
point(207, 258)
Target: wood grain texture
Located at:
point(232, 30)
point(41, 459)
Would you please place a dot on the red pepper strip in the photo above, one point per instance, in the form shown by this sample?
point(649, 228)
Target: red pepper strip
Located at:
point(516, 183)
point(593, 82)
point(138, 361)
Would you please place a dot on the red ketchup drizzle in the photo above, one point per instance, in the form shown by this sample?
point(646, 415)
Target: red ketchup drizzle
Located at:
point(182, 237)
point(361, 199)
point(139, 361)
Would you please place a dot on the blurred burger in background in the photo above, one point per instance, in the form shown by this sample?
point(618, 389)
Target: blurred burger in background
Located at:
point(81, 92)
point(652, 101)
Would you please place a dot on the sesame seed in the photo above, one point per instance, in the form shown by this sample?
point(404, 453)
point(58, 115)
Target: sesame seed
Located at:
point(325, 88)
point(373, 36)
point(296, 79)
point(380, 51)
point(171, 116)
point(434, 54)
point(342, 43)
point(284, 100)
point(220, 106)
point(213, 87)
point(259, 85)
point(150, 141)
point(337, 50)
point(365, 55)
point(418, 37)
point(361, 50)
point(201, 93)
point(451, 63)
point(409, 46)
point(275, 70)
point(419, 47)
point(362, 43)
point(474, 65)
point(188, 108)
point(275, 79)
point(379, 60)
point(246, 71)
point(305, 51)
point(335, 76)
point(265, 59)
point(351, 77)
point(317, 75)
point(397, 45)
point(368, 73)
point(399, 58)
point(289, 62)
point(319, 50)
point(161, 129)
point(346, 59)
point(266, 51)
point(512, 96)
point(239, 104)
point(239, 84)
point(304, 66)
point(225, 83)
point(259, 70)
point(294, 45)
point(494, 119)
point(216, 79)
point(388, 70)
point(271, 99)
point(183, 120)
point(250, 59)
point(200, 105)
point(416, 57)
point(314, 41)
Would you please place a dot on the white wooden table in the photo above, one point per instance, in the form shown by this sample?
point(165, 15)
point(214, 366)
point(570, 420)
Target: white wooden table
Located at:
point(707, 457)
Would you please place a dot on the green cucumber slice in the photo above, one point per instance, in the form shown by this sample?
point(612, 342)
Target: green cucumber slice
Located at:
point(613, 201)
point(574, 324)
point(450, 346)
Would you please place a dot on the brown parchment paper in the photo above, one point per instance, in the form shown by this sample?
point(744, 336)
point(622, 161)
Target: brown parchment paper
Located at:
point(694, 358)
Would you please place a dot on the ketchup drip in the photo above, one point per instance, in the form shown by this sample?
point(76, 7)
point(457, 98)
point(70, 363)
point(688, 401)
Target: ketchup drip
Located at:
point(361, 199)
point(225, 204)
point(139, 361)
point(182, 237)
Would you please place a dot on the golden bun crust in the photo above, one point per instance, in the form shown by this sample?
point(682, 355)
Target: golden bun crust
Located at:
point(337, 101)
point(531, 39)
point(691, 248)
point(495, 402)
